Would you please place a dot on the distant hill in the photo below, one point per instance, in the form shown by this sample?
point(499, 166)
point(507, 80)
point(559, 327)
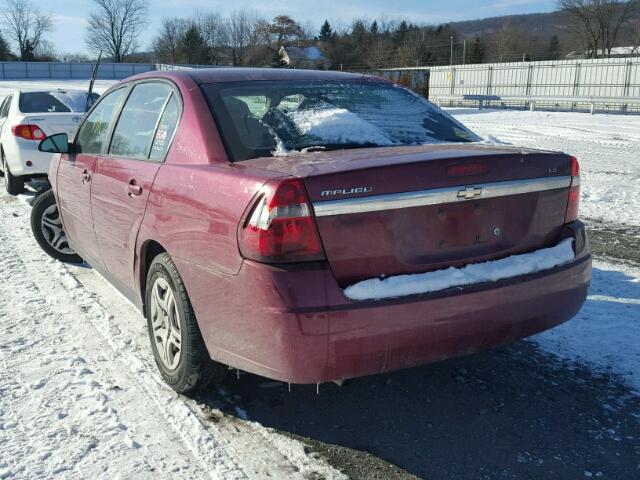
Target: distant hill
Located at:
point(541, 25)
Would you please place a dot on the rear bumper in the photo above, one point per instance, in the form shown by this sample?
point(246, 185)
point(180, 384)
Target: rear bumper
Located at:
point(19, 151)
point(296, 325)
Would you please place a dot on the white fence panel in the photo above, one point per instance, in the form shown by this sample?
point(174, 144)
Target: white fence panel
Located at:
point(64, 71)
point(614, 78)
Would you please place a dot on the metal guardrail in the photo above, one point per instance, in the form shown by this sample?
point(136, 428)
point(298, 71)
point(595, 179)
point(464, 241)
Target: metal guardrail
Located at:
point(532, 100)
point(81, 70)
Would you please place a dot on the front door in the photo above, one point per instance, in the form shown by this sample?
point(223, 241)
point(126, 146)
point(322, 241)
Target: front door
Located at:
point(123, 178)
point(75, 175)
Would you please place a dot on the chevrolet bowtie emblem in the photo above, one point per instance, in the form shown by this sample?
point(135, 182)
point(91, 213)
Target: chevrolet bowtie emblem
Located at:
point(470, 192)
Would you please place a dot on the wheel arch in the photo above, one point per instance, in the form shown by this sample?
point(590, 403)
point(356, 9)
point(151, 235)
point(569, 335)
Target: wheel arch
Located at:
point(149, 250)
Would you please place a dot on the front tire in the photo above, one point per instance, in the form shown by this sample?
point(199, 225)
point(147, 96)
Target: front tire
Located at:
point(46, 226)
point(176, 341)
point(13, 185)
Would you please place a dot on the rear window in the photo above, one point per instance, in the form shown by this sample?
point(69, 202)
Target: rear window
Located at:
point(56, 101)
point(265, 118)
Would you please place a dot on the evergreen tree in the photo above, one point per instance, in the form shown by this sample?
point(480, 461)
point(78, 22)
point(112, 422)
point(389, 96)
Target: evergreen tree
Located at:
point(477, 51)
point(5, 51)
point(374, 27)
point(554, 48)
point(194, 46)
point(325, 31)
point(359, 32)
point(401, 32)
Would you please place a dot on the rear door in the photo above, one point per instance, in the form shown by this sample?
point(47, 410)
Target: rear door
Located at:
point(123, 178)
point(75, 173)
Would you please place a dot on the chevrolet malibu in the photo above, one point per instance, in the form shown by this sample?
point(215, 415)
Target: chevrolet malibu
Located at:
point(311, 226)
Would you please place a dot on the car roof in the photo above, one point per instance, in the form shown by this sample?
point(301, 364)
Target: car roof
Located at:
point(238, 74)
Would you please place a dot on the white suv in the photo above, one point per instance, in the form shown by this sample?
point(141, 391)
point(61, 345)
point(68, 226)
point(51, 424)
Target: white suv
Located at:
point(26, 118)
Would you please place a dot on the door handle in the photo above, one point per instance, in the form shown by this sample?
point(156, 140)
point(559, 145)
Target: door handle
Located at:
point(134, 188)
point(86, 176)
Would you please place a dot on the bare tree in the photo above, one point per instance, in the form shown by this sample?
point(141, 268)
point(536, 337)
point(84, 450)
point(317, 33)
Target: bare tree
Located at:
point(115, 27)
point(168, 44)
point(598, 21)
point(213, 29)
point(26, 26)
point(241, 27)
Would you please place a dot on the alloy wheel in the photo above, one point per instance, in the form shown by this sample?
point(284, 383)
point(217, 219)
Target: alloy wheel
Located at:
point(51, 226)
point(165, 324)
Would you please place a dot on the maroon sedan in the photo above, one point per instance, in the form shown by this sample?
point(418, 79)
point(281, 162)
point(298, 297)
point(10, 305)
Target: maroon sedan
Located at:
point(311, 226)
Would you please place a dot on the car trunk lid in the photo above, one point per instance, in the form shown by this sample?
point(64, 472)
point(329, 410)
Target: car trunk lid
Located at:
point(389, 211)
point(52, 123)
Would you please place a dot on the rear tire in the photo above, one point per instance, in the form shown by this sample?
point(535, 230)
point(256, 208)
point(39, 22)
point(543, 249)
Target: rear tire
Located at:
point(46, 226)
point(13, 185)
point(176, 341)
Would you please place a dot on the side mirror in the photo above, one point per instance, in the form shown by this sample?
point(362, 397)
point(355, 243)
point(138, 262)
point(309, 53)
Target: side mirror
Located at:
point(58, 143)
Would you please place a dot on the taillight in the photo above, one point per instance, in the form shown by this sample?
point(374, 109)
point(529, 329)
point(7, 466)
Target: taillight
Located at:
point(281, 227)
point(574, 192)
point(28, 132)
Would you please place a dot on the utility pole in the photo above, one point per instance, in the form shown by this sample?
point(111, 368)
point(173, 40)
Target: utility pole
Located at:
point(451, 57)
point(464, 51)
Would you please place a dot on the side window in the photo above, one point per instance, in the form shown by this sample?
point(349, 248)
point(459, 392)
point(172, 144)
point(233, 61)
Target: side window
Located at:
point(136, 127)
point(93, 131)
point(166, 127)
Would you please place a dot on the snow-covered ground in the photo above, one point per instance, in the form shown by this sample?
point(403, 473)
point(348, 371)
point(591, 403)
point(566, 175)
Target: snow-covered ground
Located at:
point(607, 146)
point(606, 333)
point(80, 396)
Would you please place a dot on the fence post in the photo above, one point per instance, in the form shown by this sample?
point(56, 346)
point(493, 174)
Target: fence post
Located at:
point(426, 80)
point(529, 80)
point(489, 80)
point(453, 80)
point(576, 80)
point(627, 78)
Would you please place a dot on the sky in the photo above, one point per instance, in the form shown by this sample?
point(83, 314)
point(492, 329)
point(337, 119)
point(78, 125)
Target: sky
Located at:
point(70, 15)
